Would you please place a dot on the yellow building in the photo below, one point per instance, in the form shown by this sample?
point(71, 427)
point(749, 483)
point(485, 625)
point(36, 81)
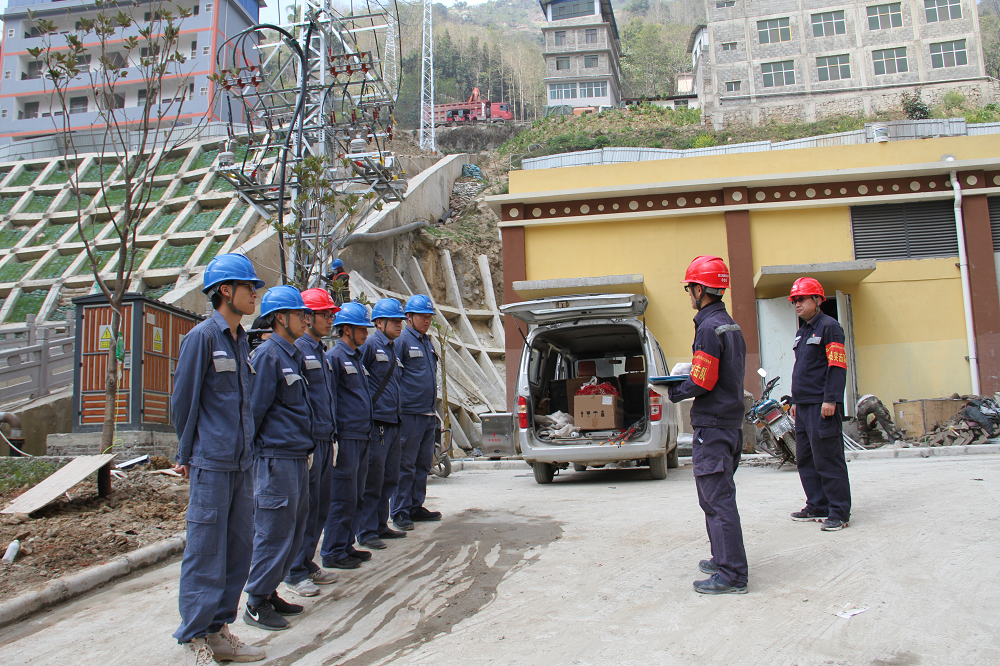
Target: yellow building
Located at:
point(875, 223)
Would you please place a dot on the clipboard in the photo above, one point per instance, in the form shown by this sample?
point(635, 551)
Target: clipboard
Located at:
point(661, 384)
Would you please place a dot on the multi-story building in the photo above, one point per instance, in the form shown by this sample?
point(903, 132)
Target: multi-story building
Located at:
point(27, 109)
point(582, 53)
point(790, 61)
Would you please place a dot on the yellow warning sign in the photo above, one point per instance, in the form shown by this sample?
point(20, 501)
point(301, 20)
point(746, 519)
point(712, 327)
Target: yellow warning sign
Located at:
point(106, 338)
point(157, 340)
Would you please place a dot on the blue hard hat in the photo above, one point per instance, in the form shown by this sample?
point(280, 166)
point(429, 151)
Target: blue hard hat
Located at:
point(336, 265)
point(229, 268)
point(388, 308)
point(282, 297)
point(354, 314)
point(419, 304)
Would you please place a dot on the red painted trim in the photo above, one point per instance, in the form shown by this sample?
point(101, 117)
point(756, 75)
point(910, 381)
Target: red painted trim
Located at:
point(89, 87)
point(741, 289)
point(514, 270)
point(80, 127)
point(109, 43)
point(983, 283)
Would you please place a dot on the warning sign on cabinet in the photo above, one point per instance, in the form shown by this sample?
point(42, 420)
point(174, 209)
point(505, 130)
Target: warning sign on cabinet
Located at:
point(157, 340)
point(106, 338)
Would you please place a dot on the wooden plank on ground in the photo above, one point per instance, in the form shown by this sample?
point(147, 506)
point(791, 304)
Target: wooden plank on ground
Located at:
point(58, 483)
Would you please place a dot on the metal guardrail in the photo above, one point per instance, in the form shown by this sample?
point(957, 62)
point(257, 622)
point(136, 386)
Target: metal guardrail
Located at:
point(96, 142)
point(898, 131)
point(38, 363)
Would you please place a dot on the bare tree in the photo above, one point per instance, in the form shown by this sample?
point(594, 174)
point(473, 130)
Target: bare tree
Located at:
point(131, 142)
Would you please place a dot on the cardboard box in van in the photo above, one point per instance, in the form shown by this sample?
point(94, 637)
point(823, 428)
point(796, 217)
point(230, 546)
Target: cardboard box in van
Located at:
point(598, 412)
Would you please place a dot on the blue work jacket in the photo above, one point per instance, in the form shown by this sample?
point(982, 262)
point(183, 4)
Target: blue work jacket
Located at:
point(418, 384)
point(820, 372)
point(319, 373)
point(211, 398)
point(280, 408)
point(379, 356)
point(716, 381)
point(354, 403)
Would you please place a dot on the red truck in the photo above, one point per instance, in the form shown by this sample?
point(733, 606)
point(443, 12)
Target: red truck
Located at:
point(474, 110)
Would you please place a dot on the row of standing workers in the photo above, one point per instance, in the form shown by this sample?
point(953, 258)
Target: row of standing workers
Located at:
point(291, 443)
point(716, 385)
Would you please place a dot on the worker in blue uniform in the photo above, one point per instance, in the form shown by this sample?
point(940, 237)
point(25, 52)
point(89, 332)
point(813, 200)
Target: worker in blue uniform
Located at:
point(354, 426)
point(213, 418)
point(284, 442)
point(305, 575)
point(716, 384)
point(418, 423)
point(379, 357)
point(818, 381)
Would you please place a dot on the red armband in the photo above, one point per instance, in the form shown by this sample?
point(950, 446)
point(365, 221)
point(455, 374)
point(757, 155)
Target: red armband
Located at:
point(704, 370)
point(836, 356)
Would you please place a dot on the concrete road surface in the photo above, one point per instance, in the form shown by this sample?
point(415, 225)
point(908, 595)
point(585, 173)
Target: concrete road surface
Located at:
point(596, 569)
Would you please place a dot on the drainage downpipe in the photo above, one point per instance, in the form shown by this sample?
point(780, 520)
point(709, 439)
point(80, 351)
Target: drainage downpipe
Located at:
point(963, 265)
point(371, 237)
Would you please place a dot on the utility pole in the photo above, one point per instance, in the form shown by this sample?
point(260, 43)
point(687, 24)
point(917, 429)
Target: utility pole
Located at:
point(427, 81)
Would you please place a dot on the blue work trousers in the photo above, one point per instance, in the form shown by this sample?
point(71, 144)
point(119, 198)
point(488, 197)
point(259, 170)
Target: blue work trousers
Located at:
point(819, 454)
point(715, 457)
point(348, 494)
point(383, 475)
point(217, 555)
point(281, 499)
point(416, 446)
point(320, 494)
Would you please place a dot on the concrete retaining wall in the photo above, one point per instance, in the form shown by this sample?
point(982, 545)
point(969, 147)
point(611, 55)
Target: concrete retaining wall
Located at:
point(128, 444)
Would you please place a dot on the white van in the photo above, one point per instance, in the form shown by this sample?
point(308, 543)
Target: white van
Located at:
point(572, 338)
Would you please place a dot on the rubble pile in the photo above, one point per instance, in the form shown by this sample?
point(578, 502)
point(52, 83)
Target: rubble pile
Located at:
point(82, 529)
point(464, 193)
point(975, 423)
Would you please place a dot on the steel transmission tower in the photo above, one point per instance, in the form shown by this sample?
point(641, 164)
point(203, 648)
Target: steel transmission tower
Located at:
point(427, 80)
point(313, 154)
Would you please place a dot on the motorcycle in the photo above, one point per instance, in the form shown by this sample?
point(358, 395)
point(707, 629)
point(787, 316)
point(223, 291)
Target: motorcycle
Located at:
point(777, 427)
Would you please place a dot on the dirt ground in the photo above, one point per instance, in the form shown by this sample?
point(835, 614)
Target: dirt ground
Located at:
point(596, 569)
point(84, 529)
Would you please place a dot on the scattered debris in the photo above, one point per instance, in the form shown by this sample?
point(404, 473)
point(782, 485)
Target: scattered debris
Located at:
point(464, 192)
point(973, 424)
point(58, 483)
point(11, 552)
point(846, 611)
point(129, 464)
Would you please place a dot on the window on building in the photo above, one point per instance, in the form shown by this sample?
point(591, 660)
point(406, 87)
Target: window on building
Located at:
point(203, 91)
point(942, 10)
point(190, 91)
point(78, 105)
point(78, 26)
point(6, 74)
point(904, 231)
point(3, 113)
point(205, 49)
point(594, 89)
point(108, 101)
point(728, 46)
point(890, 61)
point(10, 33)
point(115, 61)
point(562, 63)
point(722, 4)
point(197, 8)
point(560, 37)
point(194, 49)
point(778, 73)
point(680, 104)
point(590, 61)
point(834, 68)
point(883, 17)
point(32, 32)
point(733, 86)
point(208, 8)
point(146, 52)
point(570, 9)
point(30, 110)
point(829, 24)
point(590, 35)
point(143, 93)
point(83, 61)
point(562, 91)
point(152, 16)
point(772, 31)
point(949, 54)
point(33, 71)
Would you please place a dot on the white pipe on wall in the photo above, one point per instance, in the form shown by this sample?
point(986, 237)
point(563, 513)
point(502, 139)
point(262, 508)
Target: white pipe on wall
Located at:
point(963, 265)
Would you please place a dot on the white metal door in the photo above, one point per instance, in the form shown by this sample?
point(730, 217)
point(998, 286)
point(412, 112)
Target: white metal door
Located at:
point(846, 317)
point(777, 324)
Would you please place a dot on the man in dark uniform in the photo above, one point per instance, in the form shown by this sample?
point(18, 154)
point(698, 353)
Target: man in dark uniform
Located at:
point(716, 384)
point(818, 382)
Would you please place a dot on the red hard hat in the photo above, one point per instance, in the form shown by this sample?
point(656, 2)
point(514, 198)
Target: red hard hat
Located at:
point(318, 300)
point(708, 271)
point(806, 286)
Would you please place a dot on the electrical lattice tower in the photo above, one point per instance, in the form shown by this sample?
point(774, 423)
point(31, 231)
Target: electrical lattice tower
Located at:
point(427, 81)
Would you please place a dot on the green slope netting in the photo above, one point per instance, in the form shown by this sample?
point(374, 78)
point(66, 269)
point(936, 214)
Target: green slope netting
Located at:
point(56, 267)
point(9, 237)
point(206, 159)
point(99, 172)
point(160, 225)
point(27, 303)
point(201, 221)
point(213, 249)
point(187, 189)
point(12, 272)
point(38, 204)
point(90, 231)
point(6, 203)
point(234, 217)
point(102, 260)
point(52, 233)
point(26, 177)
point(173, 256)
point(159, 292)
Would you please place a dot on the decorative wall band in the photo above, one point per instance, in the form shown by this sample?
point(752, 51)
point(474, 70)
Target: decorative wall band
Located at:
point(861, 189)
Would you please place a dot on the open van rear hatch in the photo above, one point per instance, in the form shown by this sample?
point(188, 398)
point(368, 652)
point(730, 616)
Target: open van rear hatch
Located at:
point(558, 309)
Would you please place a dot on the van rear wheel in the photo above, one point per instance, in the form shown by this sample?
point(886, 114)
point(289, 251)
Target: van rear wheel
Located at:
point(543, 472)
point(658, 468)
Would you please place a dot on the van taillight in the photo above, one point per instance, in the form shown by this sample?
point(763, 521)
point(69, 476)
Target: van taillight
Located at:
point(522, 413)
point(655, 410)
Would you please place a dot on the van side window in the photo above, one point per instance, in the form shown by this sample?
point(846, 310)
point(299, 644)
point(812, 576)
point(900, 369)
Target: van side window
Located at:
point(534, 363)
